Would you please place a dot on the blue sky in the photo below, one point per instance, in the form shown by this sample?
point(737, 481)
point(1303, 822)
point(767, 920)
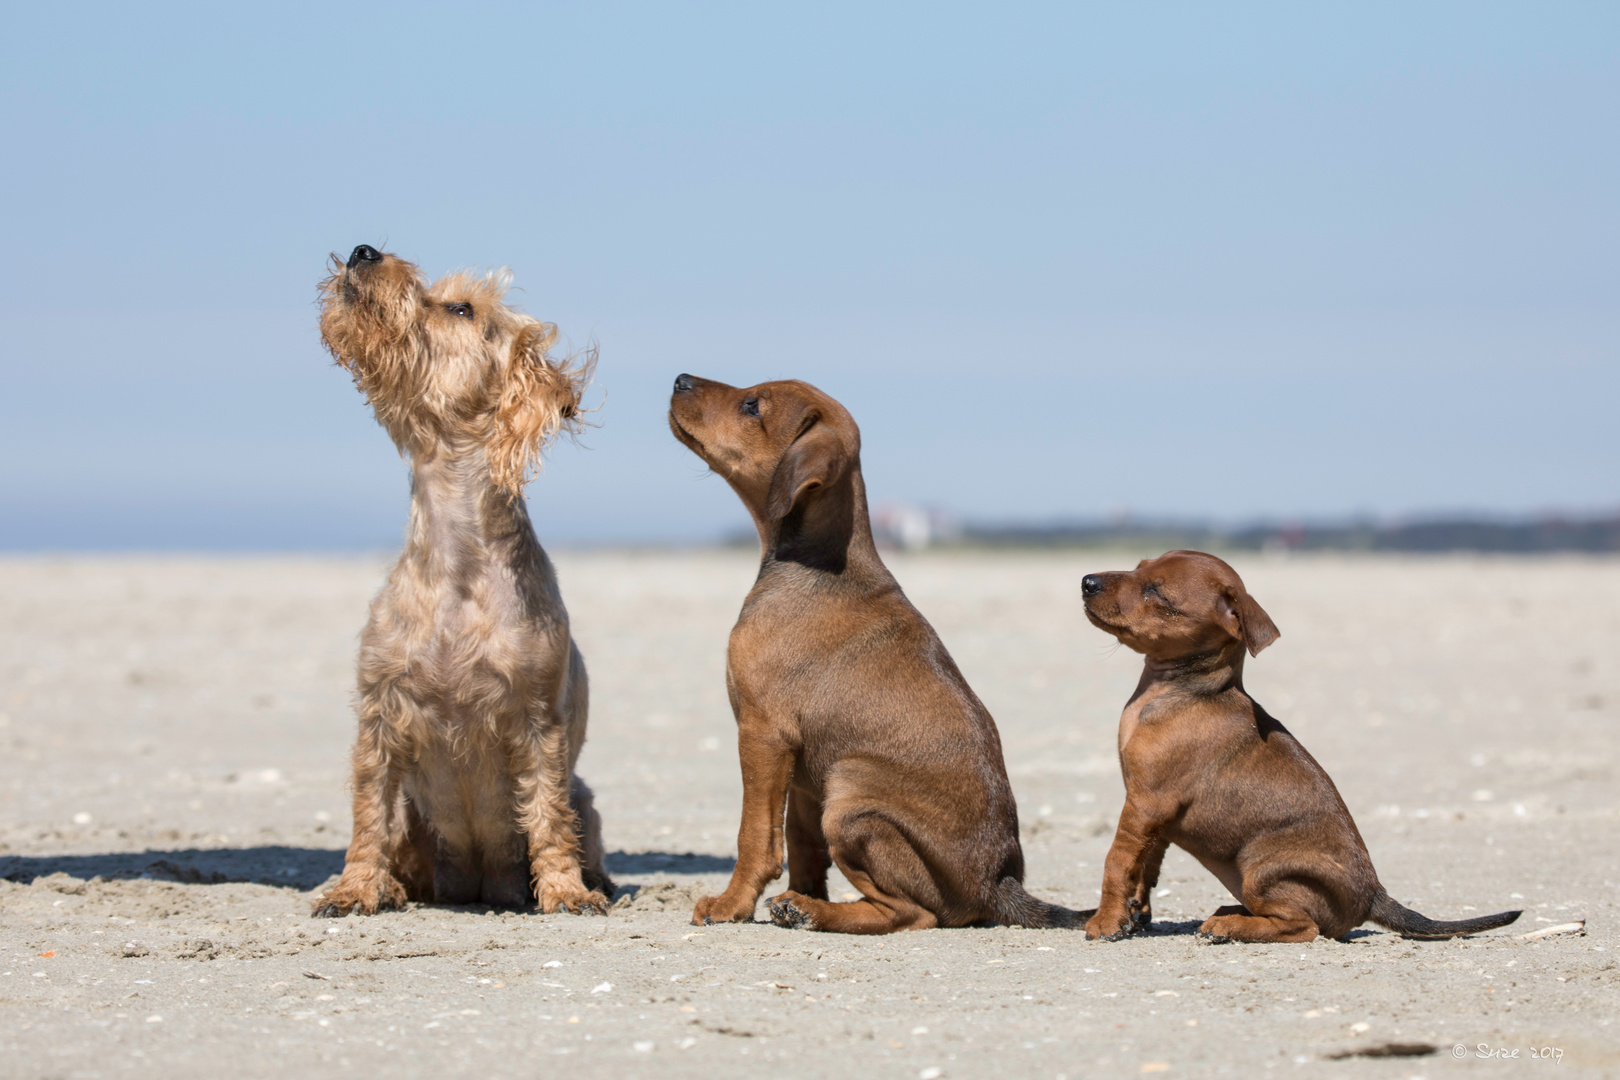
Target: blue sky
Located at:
point(1226, 261)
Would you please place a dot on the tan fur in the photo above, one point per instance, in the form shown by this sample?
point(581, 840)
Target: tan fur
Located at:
point(472, 695)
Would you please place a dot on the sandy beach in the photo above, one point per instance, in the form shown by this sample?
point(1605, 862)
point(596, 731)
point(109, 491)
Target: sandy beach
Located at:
point(175, 734)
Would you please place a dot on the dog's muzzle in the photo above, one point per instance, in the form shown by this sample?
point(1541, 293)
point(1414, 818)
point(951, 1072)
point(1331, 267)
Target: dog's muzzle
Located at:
point(362, 255)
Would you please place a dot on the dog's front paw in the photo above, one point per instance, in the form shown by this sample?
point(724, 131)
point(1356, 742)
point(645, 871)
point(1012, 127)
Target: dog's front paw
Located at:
point(572, 898)
point(788, 915)
point(361, 893)
point(722, 908)
point(1110, 927)
point(1141, 915)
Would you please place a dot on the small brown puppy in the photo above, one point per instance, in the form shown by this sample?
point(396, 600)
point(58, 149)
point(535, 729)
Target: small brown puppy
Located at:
point(849, 710)
point(1208, 769)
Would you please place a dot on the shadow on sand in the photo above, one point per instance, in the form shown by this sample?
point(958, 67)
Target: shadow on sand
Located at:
point(1172, 928)
point(667, 862)
point(1189, 928)
point(277, 864)
point(287, 867)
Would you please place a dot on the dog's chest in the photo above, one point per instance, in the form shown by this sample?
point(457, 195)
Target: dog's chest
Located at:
point(1129, 721)
point(463, 648)
point(1147, 735)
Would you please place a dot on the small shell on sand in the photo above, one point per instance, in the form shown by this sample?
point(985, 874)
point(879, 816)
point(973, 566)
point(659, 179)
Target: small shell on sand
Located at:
point(1554, 931)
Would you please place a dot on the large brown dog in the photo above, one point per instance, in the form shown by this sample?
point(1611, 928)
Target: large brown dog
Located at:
point(472, 695)
point(1206, 768)
point(849, 710)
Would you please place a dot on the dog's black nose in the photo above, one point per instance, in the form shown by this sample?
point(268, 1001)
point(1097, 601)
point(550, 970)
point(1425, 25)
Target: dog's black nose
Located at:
point(683, 383)
point(1090, 585)
point(365, 253)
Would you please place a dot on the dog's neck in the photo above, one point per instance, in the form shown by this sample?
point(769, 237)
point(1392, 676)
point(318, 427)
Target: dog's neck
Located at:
point(1203, 674)
point(460, 519)
point(828, 535)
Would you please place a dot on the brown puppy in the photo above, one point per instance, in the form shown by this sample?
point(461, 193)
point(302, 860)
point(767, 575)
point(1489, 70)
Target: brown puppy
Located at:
point(849, 710)
point(1208, 769)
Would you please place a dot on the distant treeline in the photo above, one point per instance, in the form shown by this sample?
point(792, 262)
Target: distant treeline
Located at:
point(1548, 534)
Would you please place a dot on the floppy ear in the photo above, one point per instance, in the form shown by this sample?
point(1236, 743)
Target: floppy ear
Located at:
point(815, 459)
point(539, 397)
point(1247, 621)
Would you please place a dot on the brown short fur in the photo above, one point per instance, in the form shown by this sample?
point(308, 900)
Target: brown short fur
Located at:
point(1206, 768)
point(472, 695)
point(850, 713)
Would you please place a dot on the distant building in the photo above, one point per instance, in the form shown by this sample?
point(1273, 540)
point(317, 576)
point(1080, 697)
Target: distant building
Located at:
point(911, 527)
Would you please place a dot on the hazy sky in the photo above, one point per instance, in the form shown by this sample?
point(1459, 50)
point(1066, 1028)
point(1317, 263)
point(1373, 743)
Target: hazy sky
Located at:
point(1199, 260)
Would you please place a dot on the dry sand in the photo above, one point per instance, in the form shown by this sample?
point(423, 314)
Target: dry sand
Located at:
point(174, 734)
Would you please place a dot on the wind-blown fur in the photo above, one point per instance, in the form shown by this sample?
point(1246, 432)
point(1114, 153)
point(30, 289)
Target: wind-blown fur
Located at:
point(472, 695)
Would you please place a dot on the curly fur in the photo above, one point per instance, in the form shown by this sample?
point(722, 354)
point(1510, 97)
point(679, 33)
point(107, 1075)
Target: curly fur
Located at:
point(539, 399)
point(472, 695)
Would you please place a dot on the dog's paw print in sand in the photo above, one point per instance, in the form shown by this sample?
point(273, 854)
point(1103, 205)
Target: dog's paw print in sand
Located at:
point(661, 896)
point(203, 949)
point(148, 897)
point(65, 884)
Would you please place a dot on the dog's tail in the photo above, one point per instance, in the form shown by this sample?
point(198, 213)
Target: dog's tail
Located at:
point(1015, 907)
point(1408, 923)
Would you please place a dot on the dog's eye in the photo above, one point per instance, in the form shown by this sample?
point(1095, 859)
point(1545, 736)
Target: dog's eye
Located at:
point(464, 310)
point(751, 406)
point(1152, 589)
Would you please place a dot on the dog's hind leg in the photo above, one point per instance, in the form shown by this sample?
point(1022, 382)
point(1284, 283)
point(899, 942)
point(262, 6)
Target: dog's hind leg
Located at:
point(503, 879)
point(593, 867)
point(807, 856)
point(1283, 927)
point(880, 861)
point(412, 863)
point(1273, 910)
point(458, 875)
point(884, 915)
